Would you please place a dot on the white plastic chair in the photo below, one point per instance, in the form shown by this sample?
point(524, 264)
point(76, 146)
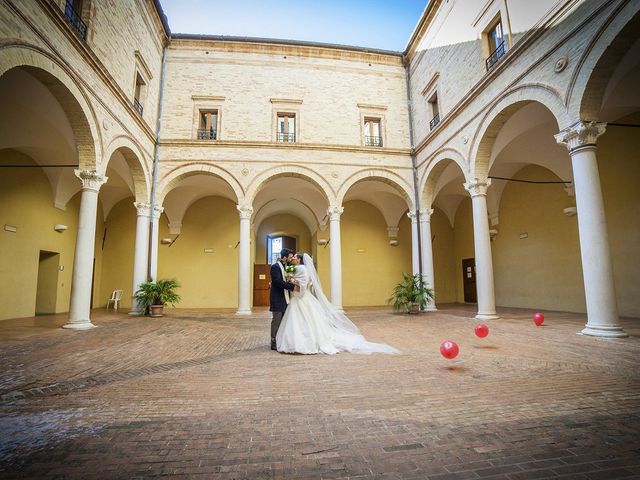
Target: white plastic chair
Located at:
point(115, 299)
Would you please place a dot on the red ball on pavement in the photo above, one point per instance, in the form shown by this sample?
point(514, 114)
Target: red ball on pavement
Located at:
point(482, 330)
point(449, 349)
point(538, 319)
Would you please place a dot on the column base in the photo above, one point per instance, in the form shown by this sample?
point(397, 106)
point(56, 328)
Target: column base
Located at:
point(243, 312)
point(614, 331)
point(79, 325)
point(487, 316)
point(431, 308)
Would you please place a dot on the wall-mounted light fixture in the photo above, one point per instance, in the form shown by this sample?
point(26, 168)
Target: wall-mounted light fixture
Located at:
point(570, 211)
point(322, 241)
point(166, 241)
point(60, 227)
point(393, 242)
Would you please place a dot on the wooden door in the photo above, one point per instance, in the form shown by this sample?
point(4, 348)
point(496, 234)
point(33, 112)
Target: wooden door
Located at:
point(261, 284)
point(469, 280)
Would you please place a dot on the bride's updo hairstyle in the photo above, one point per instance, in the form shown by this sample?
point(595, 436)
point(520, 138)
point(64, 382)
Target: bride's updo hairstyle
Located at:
point(300, 257)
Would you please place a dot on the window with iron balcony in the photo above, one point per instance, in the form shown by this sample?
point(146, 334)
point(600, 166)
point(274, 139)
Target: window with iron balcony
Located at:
point(435, 111)
point(372, 132)
point(73, 11)
point(497, 45)
point(286, 128)
point(139, 93)
point(208, 127)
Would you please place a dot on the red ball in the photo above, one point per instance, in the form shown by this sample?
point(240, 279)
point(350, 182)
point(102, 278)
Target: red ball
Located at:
point(449, 349)
point(482, 330)
point(538, 319)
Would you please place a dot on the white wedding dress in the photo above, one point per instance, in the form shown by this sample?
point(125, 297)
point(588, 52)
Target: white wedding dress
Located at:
point(311, 324)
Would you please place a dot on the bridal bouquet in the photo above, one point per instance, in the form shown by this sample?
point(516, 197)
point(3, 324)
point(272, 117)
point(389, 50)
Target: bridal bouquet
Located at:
point(290, 270)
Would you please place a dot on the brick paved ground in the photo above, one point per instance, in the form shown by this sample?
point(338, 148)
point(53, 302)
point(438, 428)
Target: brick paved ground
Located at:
point(200, 395)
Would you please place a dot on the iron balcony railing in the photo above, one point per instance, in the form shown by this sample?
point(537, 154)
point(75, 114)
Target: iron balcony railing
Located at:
point(285, 137)
point(434, 121)
point(137, 106)
point(207, 134)
point(495, 56)
point(370, 141)
point(75, 20)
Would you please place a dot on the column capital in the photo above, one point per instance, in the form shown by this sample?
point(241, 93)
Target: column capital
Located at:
point(245, 211)
point(142, 209)
point(477, 187)
point(425, 215)
point(91, 180)
point(393, 232)
point(580, 134)
point(334, 212)
point(157, 211)
point(413, 216)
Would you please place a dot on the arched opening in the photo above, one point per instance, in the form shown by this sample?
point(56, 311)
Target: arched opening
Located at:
point(376, 238)
point(44, 136)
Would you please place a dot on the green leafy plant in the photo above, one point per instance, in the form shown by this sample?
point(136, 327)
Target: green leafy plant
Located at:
point(162, 292)
point(411, 292)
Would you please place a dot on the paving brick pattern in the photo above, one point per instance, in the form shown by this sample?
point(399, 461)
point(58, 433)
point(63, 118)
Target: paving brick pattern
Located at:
point(199, 394)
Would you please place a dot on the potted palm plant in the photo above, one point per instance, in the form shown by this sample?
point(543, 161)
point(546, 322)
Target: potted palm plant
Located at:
point(411, 294)
point(153, 296)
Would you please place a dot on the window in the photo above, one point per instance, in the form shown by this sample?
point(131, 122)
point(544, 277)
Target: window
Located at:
point(276, 243)
point(208, 126)
point(73, 13)
point(286, 127)
point(497, 46)
point(435, 111)
point(139, 93)
point(372, 132)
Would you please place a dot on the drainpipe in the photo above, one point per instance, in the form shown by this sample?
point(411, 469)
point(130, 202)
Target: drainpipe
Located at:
point(407, 77)
point(156, 155)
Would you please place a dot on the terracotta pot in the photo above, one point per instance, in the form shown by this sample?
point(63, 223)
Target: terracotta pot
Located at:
point(156, 310)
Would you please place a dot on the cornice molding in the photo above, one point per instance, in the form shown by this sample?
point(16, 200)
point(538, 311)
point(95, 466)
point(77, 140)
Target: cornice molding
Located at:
point(186, 143)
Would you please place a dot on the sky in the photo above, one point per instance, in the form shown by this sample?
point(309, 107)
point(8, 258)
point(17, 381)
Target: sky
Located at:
point(382, 24)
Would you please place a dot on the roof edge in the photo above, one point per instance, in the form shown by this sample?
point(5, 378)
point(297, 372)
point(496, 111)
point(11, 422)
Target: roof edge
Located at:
point(278, 41)
point(163, 18)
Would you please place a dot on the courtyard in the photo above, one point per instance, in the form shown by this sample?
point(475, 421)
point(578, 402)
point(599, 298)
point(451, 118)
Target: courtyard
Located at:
point(199, 394)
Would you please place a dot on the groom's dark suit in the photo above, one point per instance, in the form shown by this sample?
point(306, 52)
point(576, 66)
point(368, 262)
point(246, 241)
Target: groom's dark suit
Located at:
point(277, 300)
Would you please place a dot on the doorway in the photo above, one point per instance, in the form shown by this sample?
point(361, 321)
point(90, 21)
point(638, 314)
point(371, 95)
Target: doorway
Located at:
point(469, 280)
point(261, 276)
point(47, 289)
point(275, 243)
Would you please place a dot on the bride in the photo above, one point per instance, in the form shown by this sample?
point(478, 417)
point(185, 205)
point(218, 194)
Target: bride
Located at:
point(311, 324)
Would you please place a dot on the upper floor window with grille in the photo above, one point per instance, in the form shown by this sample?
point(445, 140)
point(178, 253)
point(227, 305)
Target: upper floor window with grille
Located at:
point(286, 129)
point(139, 93)
point(435, 111)
point(73, 11)
point(208, 127)
point(372, 132)
point(497, 46)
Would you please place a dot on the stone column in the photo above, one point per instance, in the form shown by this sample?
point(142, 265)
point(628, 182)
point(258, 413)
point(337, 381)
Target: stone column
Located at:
point(244, 261)
point(82, 276)
point(140, 253)
point(415, 255)
point(427, 253)
point(154, 242)
point(597, 270)
point(482, 244)
point(335, 255)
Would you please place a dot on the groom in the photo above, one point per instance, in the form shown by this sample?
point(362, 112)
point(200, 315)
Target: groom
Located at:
point(279, 292)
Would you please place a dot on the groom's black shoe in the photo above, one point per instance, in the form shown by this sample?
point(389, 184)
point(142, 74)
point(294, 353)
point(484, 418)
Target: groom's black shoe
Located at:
point(273, 345)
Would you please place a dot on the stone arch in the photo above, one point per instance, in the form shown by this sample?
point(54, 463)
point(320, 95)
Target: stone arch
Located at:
point(437, 164)
point(132, 154)
point(500, 111)
point(382, 175)
point(289, 171)
point(173, 177)
point(64, 86)
point(601, 57)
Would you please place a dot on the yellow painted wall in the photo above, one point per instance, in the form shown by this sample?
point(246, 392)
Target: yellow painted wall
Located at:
point(282, 224)
point(47, 286)
point(321, 258)
point(369, 277)
point(117, 256)
point(208, 280)
point(443, 257)
point(26, 202)
point(542, 271)
point(463, 243)
point(619, 164)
